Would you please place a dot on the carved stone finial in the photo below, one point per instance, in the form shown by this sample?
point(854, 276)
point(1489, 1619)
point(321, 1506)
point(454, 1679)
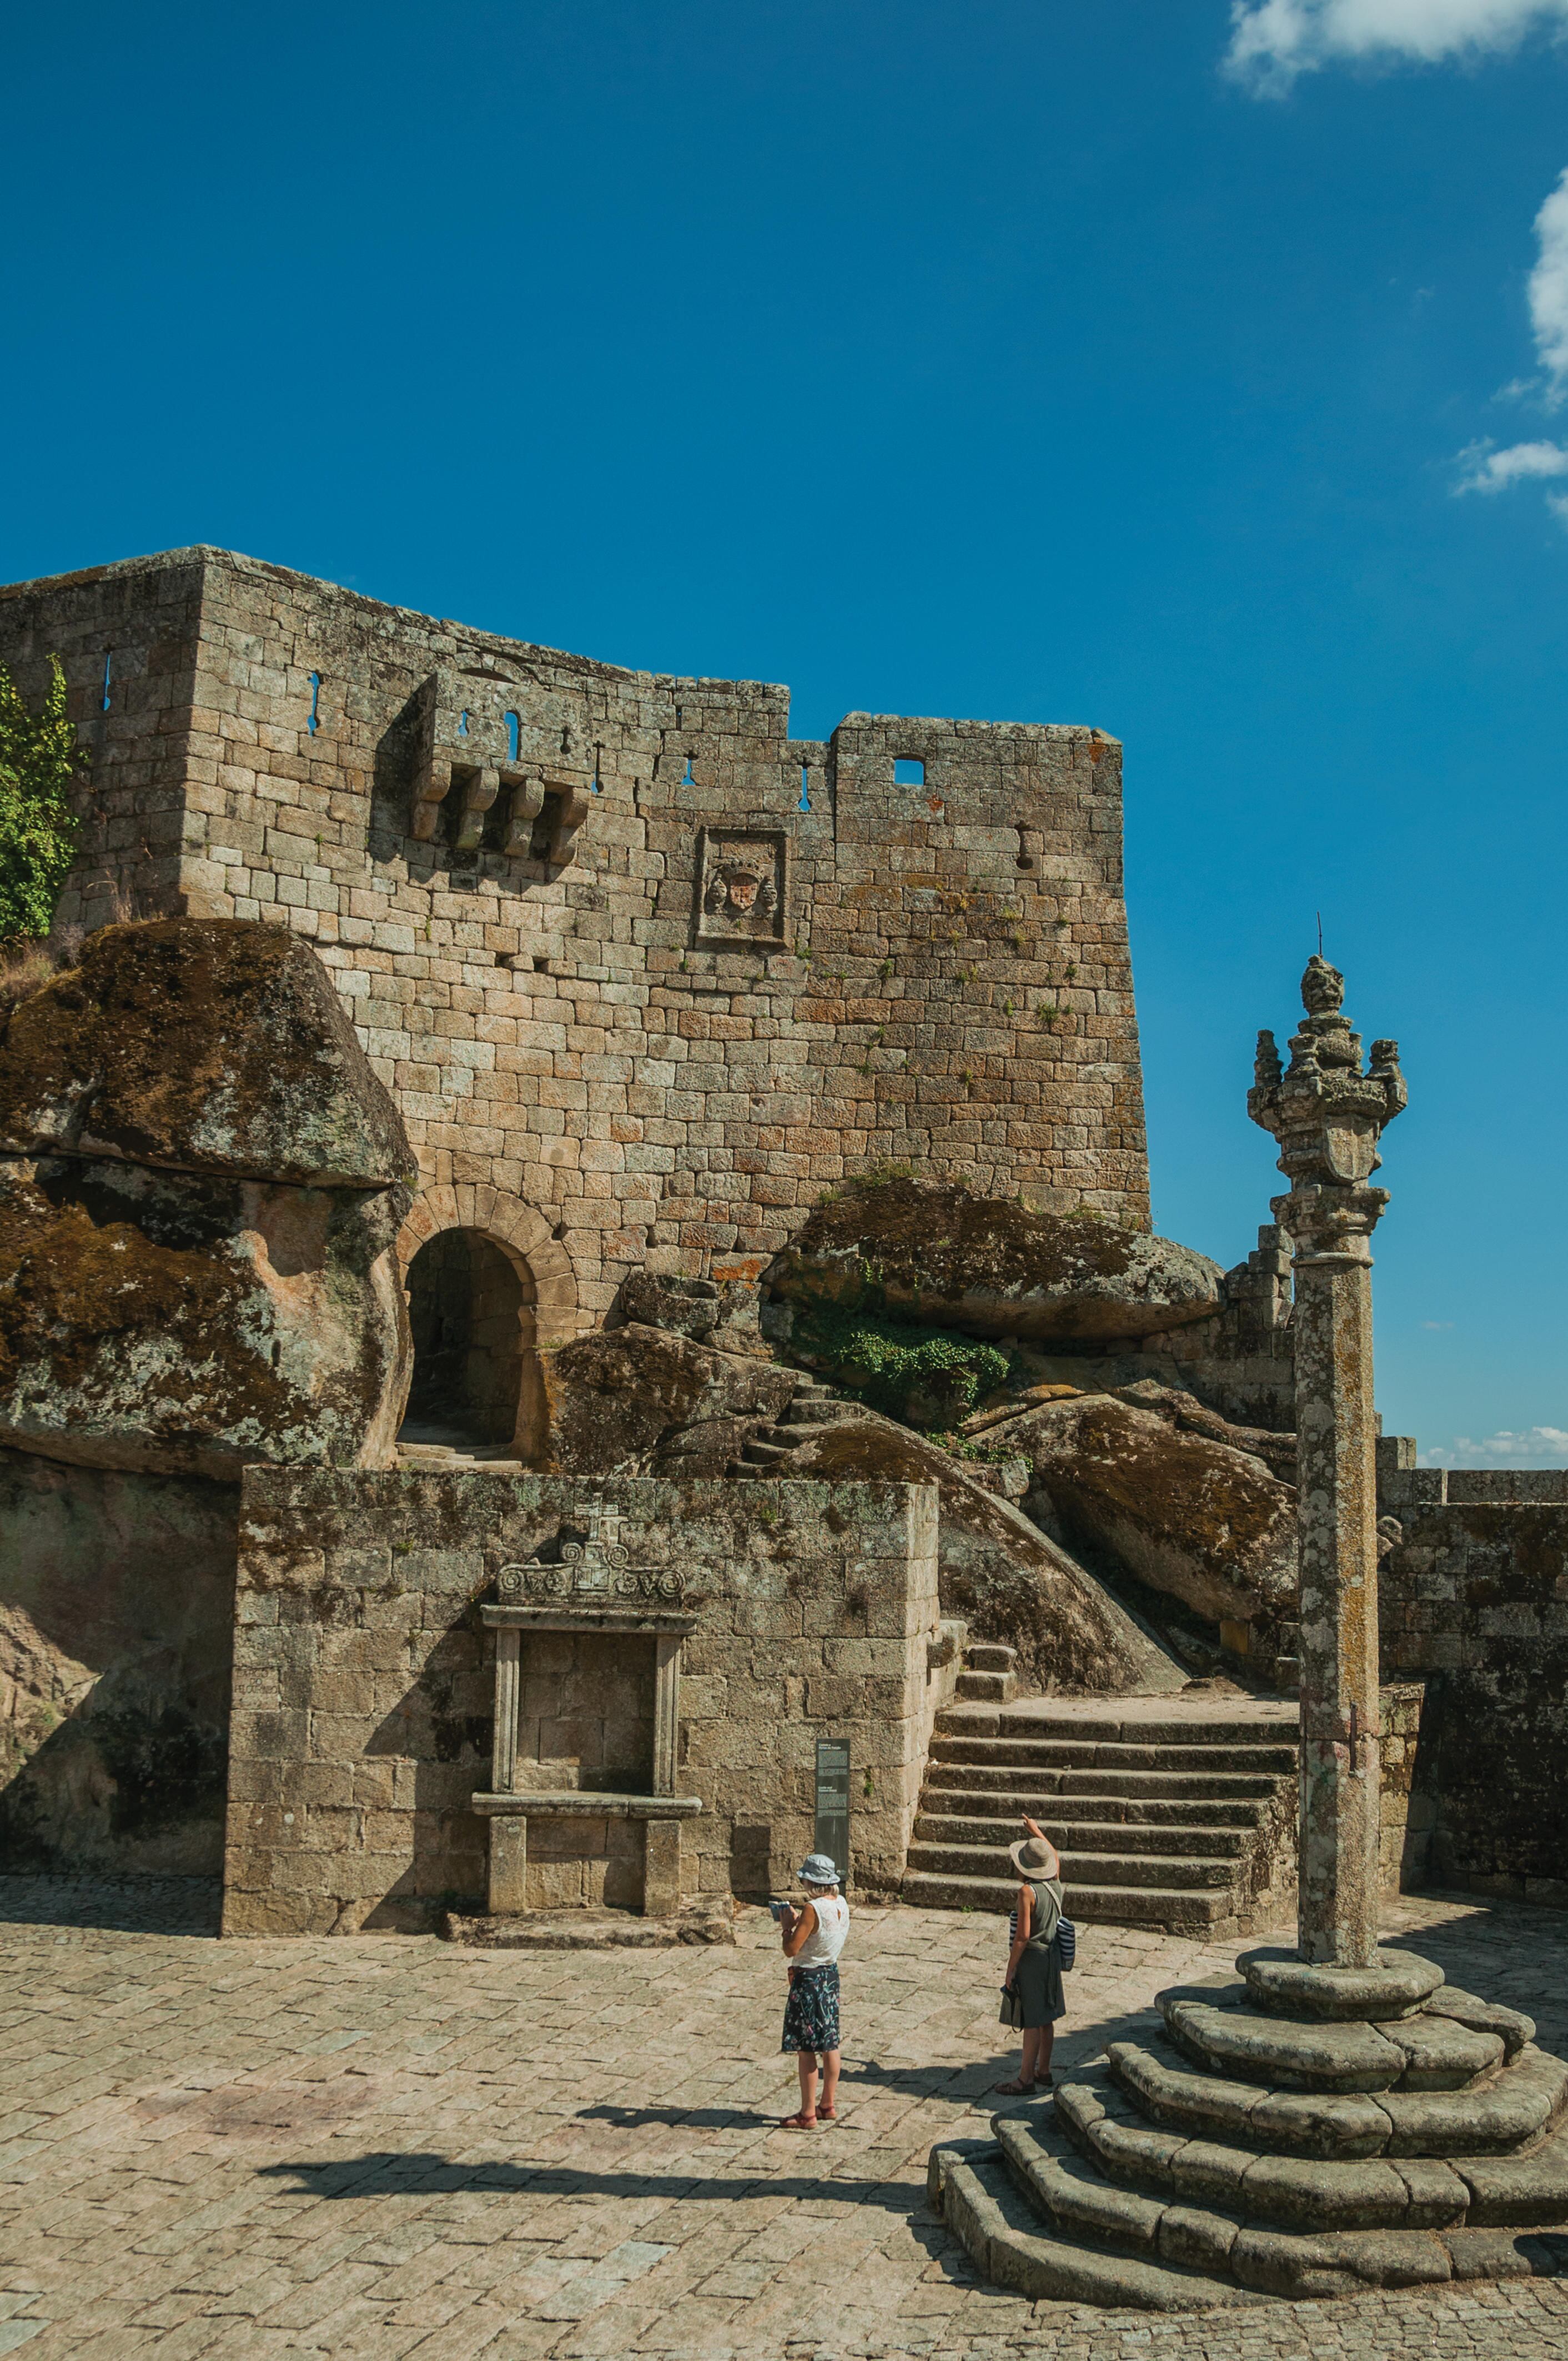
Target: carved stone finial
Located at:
point(1327, 1117)
point(1323, 988)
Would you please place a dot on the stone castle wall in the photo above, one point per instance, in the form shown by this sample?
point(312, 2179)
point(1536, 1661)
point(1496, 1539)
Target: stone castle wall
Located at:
point(625, 951)
point(1474, 1597)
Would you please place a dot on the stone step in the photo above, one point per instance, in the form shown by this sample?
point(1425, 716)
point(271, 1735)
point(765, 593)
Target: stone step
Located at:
point(818, 1409)
point(966, 1787)
point(947, 1789)
point(1480, 2160)
point(763, 1454)
point(1270, 2237)
point(999, 1687)
point(935, 1827)
point(1176, 1870)
point(981, 2204)
point(1222, 1786)
point(1181, 1911)
point(1165, 2091)
point(1038, 2218)
point(1055, 1754)
point(1438, 2081)
point(990, 1656)
point(1044, 1718)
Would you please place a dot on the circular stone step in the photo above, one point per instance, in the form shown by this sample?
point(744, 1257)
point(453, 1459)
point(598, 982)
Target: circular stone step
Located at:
point(1396, 1986)
point(1281, 2051)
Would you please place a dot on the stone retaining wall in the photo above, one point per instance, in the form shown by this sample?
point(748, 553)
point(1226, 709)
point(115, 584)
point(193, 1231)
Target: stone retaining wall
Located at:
point(116, 1597)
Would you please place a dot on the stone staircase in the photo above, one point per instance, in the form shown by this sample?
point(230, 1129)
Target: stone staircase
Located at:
point(1297, 2131)
point(1165, 1814)
point(812, 1408)
point(988, 1676)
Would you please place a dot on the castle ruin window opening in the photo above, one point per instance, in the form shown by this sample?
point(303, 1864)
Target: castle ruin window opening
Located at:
point(514, 734)
point(108, 676)
point(805, 803)
point(471, 1316)
point(314, 719)
point(909, 770)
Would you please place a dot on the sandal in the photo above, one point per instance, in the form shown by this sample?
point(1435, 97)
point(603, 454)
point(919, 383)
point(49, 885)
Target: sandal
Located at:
point(826, 2115)
point(798, 2123)
point(1011, 2090)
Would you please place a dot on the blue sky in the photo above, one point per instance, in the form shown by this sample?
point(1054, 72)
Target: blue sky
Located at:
point(1123, 365)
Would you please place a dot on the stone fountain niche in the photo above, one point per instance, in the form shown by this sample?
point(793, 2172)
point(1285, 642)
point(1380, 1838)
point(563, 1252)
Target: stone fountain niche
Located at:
point(581, 1808)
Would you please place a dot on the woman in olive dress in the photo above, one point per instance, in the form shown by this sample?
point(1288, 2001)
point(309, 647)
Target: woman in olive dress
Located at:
point(1034, 1964)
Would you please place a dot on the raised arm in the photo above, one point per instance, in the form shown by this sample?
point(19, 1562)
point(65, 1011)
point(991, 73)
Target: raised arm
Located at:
point(1053, 1867)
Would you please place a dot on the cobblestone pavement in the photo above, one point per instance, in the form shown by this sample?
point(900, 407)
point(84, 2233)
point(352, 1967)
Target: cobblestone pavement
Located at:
point(387, 2146)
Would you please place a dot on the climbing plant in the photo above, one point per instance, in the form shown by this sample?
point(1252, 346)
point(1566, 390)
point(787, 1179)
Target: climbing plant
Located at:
point(39, 756)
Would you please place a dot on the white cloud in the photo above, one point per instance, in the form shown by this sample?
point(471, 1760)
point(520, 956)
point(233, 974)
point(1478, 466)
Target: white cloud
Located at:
point(1549, 288)
point(1437, 1323)
point(1486, 470)
point(1272, 41)
point(1533, 1446)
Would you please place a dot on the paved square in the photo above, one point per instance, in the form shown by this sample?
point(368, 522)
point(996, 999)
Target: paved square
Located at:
point(383, 2146)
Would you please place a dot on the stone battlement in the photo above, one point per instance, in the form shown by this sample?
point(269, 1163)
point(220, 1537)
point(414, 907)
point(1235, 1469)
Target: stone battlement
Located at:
point(625, 952)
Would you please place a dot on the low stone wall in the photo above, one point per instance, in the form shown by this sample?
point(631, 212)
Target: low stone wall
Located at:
point(116, 1593)
point(1410, 1809)
point(1474, 1599)
point(363, 1687)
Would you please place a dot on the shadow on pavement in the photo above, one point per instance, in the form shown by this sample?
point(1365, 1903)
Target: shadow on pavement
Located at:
point(390, 2173)
point(126, 1905)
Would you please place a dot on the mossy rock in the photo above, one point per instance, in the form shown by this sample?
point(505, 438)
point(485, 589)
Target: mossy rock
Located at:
point(935, 1252)
point(200, 1044)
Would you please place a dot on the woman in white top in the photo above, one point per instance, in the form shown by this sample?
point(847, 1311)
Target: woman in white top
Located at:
point(813, 1938)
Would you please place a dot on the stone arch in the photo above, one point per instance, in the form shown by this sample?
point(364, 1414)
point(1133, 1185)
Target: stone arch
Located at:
point(546, 1306)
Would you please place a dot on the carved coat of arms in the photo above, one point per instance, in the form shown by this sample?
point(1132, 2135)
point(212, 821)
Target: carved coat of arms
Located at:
point(741, 889)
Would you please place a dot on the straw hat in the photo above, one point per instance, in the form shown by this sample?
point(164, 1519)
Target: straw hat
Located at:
point(1031, 1857)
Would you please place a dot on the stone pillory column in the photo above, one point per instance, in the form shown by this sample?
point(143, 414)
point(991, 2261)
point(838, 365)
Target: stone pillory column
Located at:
point(1327, 1117)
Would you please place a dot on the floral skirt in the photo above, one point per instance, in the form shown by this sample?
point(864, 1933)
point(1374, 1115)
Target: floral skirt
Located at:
point(811, 2012)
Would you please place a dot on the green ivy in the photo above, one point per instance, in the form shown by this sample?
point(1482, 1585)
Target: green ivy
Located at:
point(39, 756)
point(894, 1364)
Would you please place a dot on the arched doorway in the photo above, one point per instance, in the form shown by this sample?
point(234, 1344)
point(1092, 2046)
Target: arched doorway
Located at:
point(489, 1288)
point(471, 1314)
